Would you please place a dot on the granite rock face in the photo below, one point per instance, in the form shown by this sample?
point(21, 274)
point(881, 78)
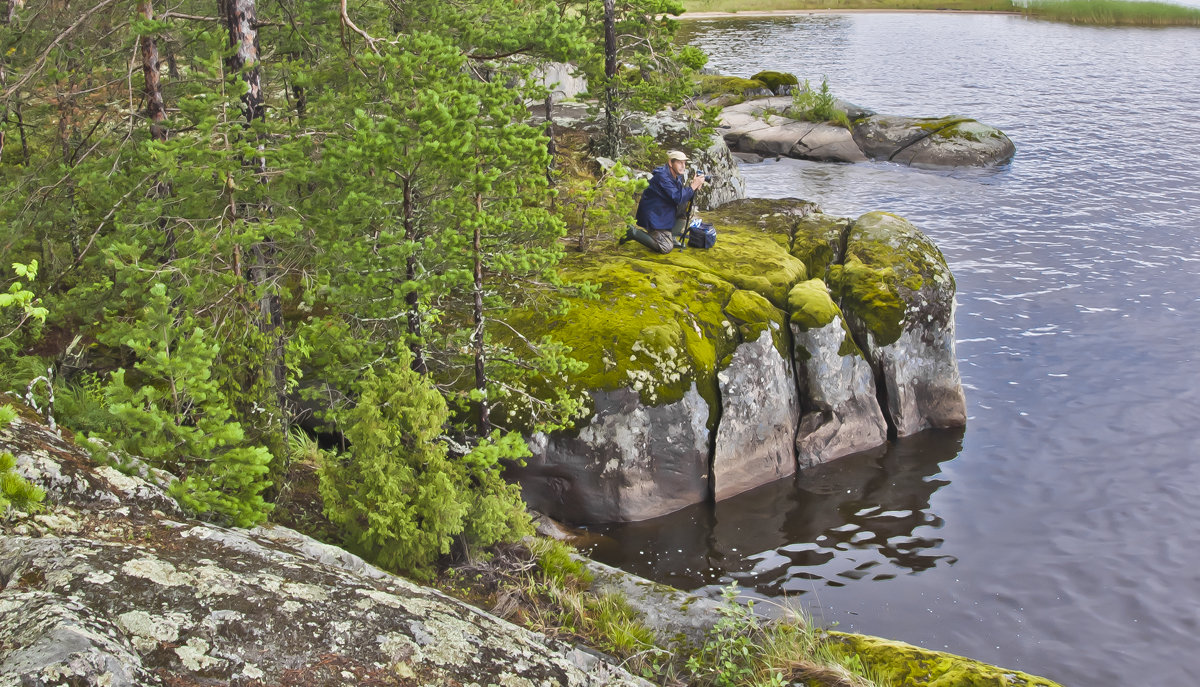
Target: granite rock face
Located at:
point(631, 462)
point(111, 586)
point(759, 413)
point(838, 390)
point(765, 127)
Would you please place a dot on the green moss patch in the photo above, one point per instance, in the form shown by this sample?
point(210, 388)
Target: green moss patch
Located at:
point(811, 305)
point(748, 254)
point(888, 261)
point(712, 84)
point(774, 80)
point(655, 328)
point(905, 665)
point(753, 314)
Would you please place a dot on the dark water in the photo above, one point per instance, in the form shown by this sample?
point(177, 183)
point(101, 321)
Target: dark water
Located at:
point(1058, 533)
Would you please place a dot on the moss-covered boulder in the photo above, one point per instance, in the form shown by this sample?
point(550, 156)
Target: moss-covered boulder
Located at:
point(778, 82)
point(898, 297)
point(701, 363)
point(905, 665)
point(932, 142)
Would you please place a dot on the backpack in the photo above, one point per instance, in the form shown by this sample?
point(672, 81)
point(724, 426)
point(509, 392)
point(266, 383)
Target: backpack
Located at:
point(698, 235)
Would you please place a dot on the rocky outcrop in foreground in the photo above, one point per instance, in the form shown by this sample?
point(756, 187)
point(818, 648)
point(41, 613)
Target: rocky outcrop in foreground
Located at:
point(797, 339)
point(113, 586)
point(764, 127)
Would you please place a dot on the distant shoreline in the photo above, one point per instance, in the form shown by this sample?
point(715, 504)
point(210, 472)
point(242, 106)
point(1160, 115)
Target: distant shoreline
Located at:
point(795, 12)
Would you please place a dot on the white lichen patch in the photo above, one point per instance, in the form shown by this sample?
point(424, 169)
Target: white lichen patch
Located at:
point(399, 648)
point(305, 592)
point(56, 522)
point(195, 656)
point(457, 640)
point(212, 580)
point(290, 606)
point(98, 577)
point(157, 571)
point(510, 680)
point(118, 480)
point(252, 671)
point(146, 631)
point(374, 596)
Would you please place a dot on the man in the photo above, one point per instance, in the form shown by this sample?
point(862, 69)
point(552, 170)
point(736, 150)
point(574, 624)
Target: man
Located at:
point(661, 203)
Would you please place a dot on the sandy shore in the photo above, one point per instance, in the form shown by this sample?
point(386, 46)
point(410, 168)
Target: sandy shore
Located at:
point(792, 13)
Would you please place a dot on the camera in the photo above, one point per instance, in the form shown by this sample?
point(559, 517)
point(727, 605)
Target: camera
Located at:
point(709, 177)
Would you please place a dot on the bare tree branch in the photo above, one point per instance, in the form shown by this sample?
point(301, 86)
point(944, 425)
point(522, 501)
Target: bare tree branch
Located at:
point(41, 61)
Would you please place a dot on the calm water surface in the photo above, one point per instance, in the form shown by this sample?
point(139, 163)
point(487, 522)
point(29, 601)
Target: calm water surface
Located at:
point(1058, 533)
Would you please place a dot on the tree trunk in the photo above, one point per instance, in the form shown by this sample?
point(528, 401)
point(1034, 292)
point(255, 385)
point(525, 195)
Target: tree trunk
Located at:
point(412, 298)
point(485, 423)
point(611, 134)
point(155, 111)
point(240, 18)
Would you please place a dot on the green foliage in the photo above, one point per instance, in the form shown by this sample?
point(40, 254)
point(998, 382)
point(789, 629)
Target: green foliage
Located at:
point(558, 564)
point(396, 495)
point(171, 412)
point(15, 491)
point(600, 207)
point(817, 106)
point(393, 197)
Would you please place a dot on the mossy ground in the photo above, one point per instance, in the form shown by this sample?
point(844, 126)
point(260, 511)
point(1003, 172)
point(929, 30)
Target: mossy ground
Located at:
point(905, 665)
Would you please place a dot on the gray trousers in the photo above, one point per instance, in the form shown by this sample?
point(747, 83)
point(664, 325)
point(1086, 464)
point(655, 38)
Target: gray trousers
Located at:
point(660, 240)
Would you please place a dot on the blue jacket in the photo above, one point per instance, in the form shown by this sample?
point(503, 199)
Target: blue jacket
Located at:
point(656, 211)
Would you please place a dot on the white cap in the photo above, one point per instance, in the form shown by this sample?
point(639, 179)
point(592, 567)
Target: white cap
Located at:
point(676, 155)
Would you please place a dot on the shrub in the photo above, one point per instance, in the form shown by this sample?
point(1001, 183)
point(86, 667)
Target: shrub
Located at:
point(818, 106)
point(395, 495)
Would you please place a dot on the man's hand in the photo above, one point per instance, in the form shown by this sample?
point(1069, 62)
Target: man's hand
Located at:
point(697, 181)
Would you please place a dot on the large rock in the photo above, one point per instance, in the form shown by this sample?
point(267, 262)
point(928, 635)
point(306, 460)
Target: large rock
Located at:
point(761, 127)
point(837, 386)
point(764, 127)
point(932, 142)
point(111, 586)
point(631, 462)
point(759, 413)
point(898, 296)
point(690, 359)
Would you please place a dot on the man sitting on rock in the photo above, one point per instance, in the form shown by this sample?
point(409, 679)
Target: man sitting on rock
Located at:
point(662, 204)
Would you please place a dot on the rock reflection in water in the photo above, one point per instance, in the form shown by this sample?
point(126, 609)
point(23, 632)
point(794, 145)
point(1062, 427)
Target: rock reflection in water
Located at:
point(866, 517)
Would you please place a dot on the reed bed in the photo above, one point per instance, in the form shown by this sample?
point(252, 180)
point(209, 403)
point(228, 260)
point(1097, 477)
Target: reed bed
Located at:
point(1113, 12)
point(735, 6)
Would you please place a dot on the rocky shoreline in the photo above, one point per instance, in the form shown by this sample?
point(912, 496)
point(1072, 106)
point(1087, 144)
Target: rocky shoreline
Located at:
point(112, 585)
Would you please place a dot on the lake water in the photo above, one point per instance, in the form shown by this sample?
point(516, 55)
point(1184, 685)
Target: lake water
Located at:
point(1058, 533)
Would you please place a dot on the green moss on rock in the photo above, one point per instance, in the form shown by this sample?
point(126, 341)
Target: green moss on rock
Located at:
point(817, 241)
point(712, 84)
point(892, 274)
point(905, 665)
point(753, 314)
point(811, 306)
point(774, 80)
